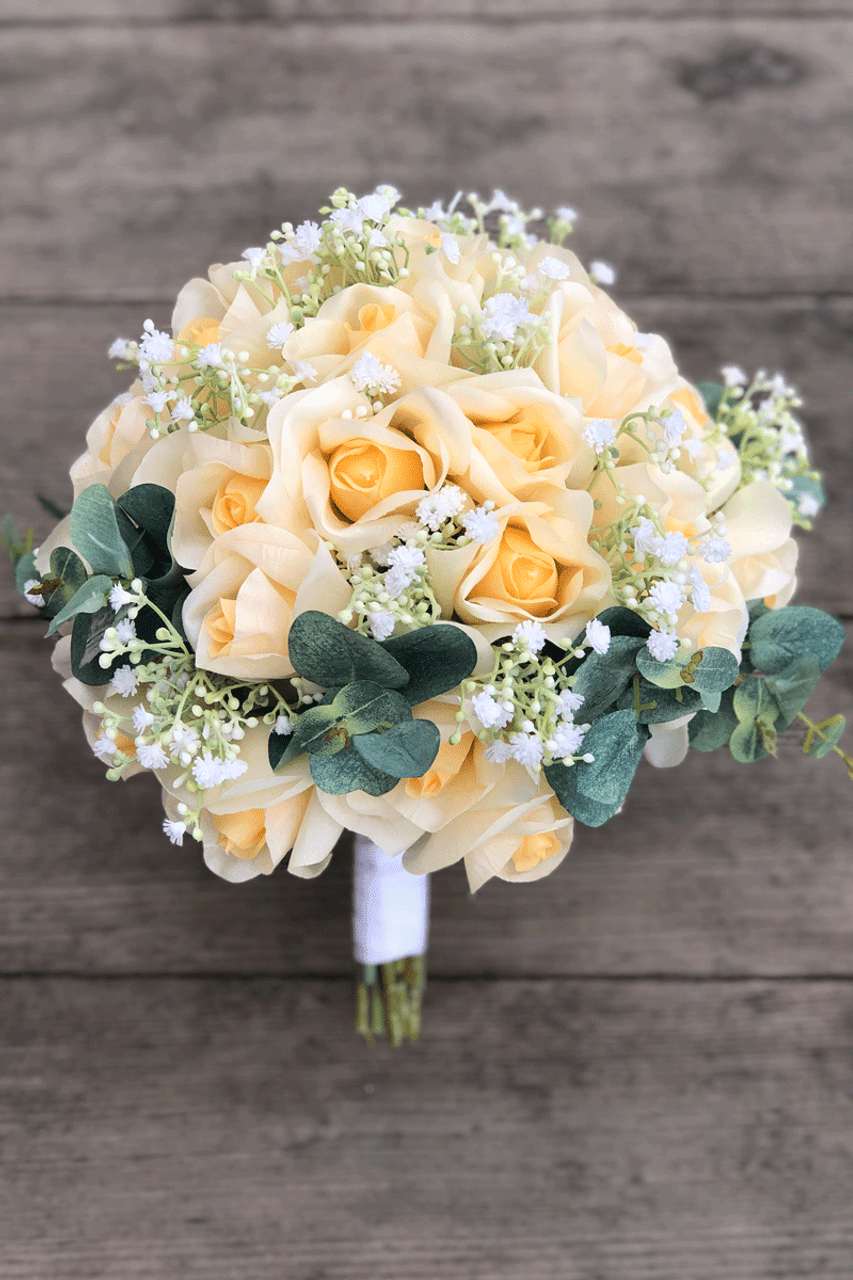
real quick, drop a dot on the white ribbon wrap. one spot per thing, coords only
(390, 910)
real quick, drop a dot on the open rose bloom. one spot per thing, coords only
(403, 529)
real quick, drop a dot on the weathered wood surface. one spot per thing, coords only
(57, 378)
(50, 12)
(703, 156)
(712, 869)
(666, 1115)
(592, 1131)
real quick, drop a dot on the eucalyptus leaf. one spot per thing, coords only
(326, 652)
(666, 675)
(91, 597)
(348, 771)
(745, 743)
(152, 508)
(404, 751)
(625, 622)
(793, 687)
(68, 568)
(592, 793)
(658, 706)
(781, 636)
(602, 677)
(833, 731)
(710, 730)
(712, 671)
(86, 636)
(25, 570)
(753, 701)
(363, 705)
(437, 658)
(94, 530)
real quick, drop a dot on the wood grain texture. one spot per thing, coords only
(52, 12)
(703, 157)
(48, 403)
(592, 1131)
(713, 868)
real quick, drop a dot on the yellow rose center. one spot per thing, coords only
(362, 473)
(525, 437)
(235, 500)
(523, 574)
(243, 834)
(372, 317)
(535, 849)
(201, 331)
(220, 624)
(627, 353)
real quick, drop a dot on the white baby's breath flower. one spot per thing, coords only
(566, 214)
(599, 434)
(382, 623)
(568, 703)
(122, 349)
(666, 597)
(278, 334)
(700, 594)
(104, 748)
(175, 830)
(125, 681)
(377, 240)
(566, 741)
(119, 597)
(182, 410)
(598, 636)
(715, 550)
(491, 713)
(29, 594)
(498, 752)
(125, 631)
(503, 314)
(368, 374)
(156, 347)
(142, 719)
(348, 220)
(808, 505)
(254, 257)
(733, 375)
(671, 547)
(210, 357)
(305, 371)
(602, 273)
(527, 749)
(554, 269)
(531, 634)
(674, 427)
(481, 525)
(436, 508)
(159, 399)
(662, 645)
(151, 755)
(692, 446)
(283, 726)
(307, 239)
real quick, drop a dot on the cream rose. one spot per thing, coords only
(516, 831)
(764, 555)
(540, 567)
(252, 582)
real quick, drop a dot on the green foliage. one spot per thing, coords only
(625, 622)
(806, 486)
(437, 659)
(348, 771)
(792, 688)
(95, 532)
(652, 705)
(89, 598)
(326, 652)
(824, 737)
(711, 671)
(406, 751)
(712, 393)
(603, 677)
(592, 793)
(710, 730)
(781, 636)
(86, 636)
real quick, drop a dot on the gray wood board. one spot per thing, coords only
(50, 12)
(702, 156)
(592, 1131)
(57, 378)
(713, 868)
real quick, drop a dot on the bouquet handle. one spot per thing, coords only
(390, 921)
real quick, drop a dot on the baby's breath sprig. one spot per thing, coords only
(758, 418)
(524, 709)
(185, 715)
(504, 334)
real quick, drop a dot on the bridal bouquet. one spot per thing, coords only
(404, 529)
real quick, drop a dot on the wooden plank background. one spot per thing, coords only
(640, 1068)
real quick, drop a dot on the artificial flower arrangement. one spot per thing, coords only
(405, 530)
